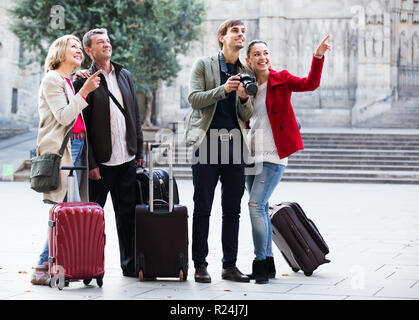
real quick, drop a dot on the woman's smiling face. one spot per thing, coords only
(73, 53)
(259, 58)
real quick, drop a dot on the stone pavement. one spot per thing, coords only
(372, 232)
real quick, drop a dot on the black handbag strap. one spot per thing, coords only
(67, 136)
(116, 102)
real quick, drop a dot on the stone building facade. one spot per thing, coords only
(370, 78)
(18, 87)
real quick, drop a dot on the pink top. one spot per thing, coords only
(79, 125)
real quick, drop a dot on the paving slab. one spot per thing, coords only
(371, 231)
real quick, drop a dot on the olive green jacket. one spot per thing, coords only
(205, 90)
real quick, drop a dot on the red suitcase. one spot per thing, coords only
(76, 242)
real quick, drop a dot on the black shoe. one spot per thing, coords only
(201, 274)
(234, 274)
(271, 267)
(260, 271)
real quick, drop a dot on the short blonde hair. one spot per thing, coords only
(56, 52)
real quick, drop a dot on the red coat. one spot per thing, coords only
(281, 84)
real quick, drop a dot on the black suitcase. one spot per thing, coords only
(161, 233)
(160, 186)
(298, 238)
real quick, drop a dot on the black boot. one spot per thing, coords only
(260, 271)
(271, 267)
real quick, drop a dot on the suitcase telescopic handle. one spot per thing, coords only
(72, 168)
(70, 180)
(169, 147)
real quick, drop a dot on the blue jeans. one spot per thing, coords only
(76, 152)
(260, 188)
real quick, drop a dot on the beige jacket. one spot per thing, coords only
(58, 109)
(205, 90)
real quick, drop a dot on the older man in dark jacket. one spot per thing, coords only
(115, 140)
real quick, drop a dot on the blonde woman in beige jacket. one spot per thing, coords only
(59, 108)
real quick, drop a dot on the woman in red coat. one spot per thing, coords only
(274, 135)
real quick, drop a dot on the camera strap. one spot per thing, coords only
(223, 65)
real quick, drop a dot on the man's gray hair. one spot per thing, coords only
(87, 38)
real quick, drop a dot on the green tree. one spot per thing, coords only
(146, 36)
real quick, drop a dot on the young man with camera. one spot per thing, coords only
(221, 106)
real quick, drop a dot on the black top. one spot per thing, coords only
(225, 116)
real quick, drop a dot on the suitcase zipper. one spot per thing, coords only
(302, 242)
(312, 228)
(300, 239)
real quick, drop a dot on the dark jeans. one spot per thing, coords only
(120, 181)
(205, 179)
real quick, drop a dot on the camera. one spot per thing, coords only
(249, 83)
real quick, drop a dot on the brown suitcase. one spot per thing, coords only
(298, 238)
(161, 233)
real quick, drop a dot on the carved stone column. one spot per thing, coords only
(374, 80)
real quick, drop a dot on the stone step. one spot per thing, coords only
(333, 179)
(362, 145)
(354, 158)
(344, 164)
(328, 140)
(346, 180)
(10, 132)
(345, 161)
(343, 157)
(330, 172)
(332, 166)
(353, 173)
(370, 152)
(181, 151)
(367, 137)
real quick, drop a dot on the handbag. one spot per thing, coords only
(45, 169)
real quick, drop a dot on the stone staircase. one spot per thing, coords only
(404, 113)
(341, 157)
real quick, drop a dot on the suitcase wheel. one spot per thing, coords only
(87, 281)
(141, 275)
(99, 281)
(307, 274)
(59, 284)
(181, 275)
(295, 269)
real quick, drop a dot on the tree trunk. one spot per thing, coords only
(150, 110)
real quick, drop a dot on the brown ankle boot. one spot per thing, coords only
(40, 275)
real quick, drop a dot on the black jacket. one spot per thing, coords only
(97, 117)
